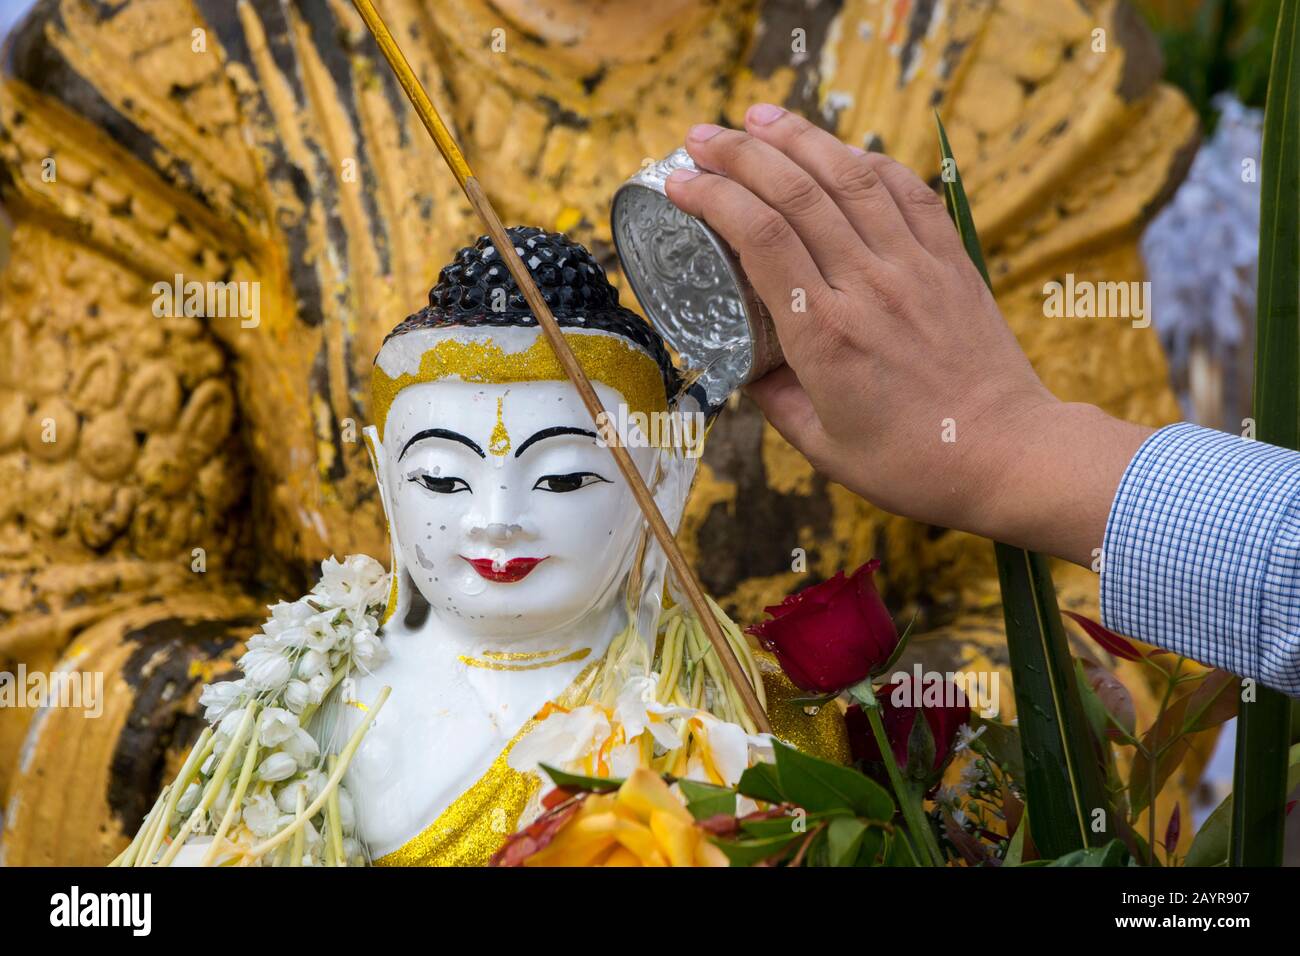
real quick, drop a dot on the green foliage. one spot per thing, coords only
(824, 814)
(1263, 726)
(1210, 848)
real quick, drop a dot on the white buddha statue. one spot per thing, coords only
(524, 620)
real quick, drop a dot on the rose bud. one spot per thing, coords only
(832, 635)
(941, 720)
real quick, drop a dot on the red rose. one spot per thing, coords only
(898, 720)
(832, 635)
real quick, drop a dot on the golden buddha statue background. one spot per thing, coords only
(163, 475)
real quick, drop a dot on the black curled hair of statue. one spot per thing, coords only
(476, 290)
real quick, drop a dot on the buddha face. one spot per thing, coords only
(508, 515)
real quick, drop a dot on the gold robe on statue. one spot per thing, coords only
(477, 822)
(202, 466)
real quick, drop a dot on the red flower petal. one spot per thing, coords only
(1108, 639)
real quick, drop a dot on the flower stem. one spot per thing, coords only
(299, 838)
(202, 747)
(908, 800)
(132, 853)
(335, 827)
(214, 785)
(345, 758)
(236, 801)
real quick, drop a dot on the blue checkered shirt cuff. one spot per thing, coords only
(1202, 553)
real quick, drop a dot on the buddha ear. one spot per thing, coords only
(399, 596)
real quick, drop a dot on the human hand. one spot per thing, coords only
(904, 383)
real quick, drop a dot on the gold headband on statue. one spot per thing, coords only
(605, 357)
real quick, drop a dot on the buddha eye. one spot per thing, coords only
(570, 482)
(441, 486)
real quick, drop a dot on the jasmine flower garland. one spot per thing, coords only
(256, 787)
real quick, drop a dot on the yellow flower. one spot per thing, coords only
(640, 824)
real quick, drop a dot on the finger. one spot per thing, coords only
(771, 253)
(923, 209)
(782, 184)
(781, 398)
(851, 179)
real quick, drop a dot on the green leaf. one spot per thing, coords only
(1263, 725)
(818, 786)
(749, 852)
(1210, 846)
(704, 800)
(801, 823)
(1016, 850)
(576, 781)
(1114, 853)
(844, 840)
(898, 851)
(1063, 780)
(761, 782)
(1092, 706)
(777, 826)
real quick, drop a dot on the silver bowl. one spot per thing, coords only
(691, 286)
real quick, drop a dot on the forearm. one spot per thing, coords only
(1053, 478)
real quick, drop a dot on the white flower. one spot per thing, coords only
(261, 641)
(297, 695)
(292, 638)
(190, 798)
(561, 739)
(262, 815)
(637, 711)
(265, 669)
(220, 698)
(367, 651)
(229, 726)
(222, 800)
(288, 614)
(572, 740)
(971, 774)
(966, 737)
(347, 811)
(309, 784)
(311, 664)
(318, 686)
(278, 766)
(359, 580)
(302, 747)
(275, 726)
(725, 750)
(323, 634)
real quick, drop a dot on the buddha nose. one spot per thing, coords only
(498, 532)
(499, 522)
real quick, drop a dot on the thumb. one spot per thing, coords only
(781, 398)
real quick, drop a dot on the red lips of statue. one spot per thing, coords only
(516, 569)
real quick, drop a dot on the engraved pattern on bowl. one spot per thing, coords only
(691, 285)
